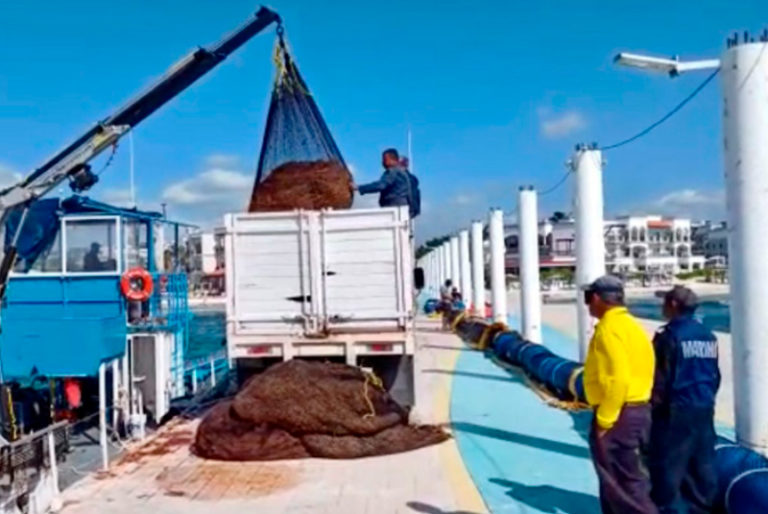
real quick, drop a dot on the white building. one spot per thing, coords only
(633, 244)
(205, 261)
(711, 241)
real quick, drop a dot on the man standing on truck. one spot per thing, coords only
(396, 187)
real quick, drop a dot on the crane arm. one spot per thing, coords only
(72, 162)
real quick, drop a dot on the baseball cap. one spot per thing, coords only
(605, 284)
(681, 295)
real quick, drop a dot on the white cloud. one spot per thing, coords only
(220, 160)
(211, 186)
(116, 196)
(464, 199)
(690, 203)
(223, 186)
(560, 125)
(8, 176)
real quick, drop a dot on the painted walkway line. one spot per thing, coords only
(523, 456)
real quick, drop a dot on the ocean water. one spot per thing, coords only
(713, 311)
(207, 332)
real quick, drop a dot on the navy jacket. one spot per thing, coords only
(687, 373)
(394, 187)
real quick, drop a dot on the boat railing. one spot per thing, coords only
(29, 465)
(205, 372)
(168, 304)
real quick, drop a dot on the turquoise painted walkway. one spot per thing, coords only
(523, 456)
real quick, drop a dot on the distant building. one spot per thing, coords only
(633, 244)
(205, 261)
(711, 240)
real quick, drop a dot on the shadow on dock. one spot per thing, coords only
(431, 509)
(527, 440)
(510, 378)
(546, 498)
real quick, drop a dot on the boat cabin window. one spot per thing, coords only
(135, 243)
(91, 245)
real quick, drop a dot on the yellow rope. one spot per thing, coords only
(482, 343)
(541, 392)
(11, 415)
(376, 382)
(458, 320)
(572, 381)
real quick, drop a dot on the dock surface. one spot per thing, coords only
(163, 476)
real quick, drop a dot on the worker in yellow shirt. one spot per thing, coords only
(618, 379)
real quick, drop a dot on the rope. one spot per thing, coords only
(12, 415)
(557, 184)
(541, 391)
(667, 116)
(376, 382)
(458, 320)
(482, 343)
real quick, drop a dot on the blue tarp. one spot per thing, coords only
(39, 231)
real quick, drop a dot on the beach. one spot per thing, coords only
(559, 312)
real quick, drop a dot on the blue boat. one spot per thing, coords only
(68, 315)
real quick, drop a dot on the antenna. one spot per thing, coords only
(131, 169)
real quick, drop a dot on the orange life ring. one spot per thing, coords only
(130, 278)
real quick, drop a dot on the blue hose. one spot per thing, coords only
(742, 473)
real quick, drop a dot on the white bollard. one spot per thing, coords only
(447, 261)
(587, 164)
(498, 281)
(466, 276)
(440, 266)
(194, 380)
(745, 124)
(455, 263)
(478, 269)
(213, 373)
(530, 289)
(103, 416)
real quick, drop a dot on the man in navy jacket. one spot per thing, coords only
(682, 445)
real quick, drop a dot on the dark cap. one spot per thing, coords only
(682, 296)
(605, 284)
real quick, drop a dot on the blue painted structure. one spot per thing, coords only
(62, 320)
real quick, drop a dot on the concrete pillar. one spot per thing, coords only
(744, 73)
(447, 260)
(455, 263)
(498, 282)
(466, 275)
(478, 269)
(530, 290)
(587, 164)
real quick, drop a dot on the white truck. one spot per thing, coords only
(328, 285)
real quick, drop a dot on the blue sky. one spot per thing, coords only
(496, 93)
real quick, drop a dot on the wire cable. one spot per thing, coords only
(557, 184)
(671, 113)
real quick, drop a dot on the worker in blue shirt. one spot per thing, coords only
(681, 457)
(395, 187)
